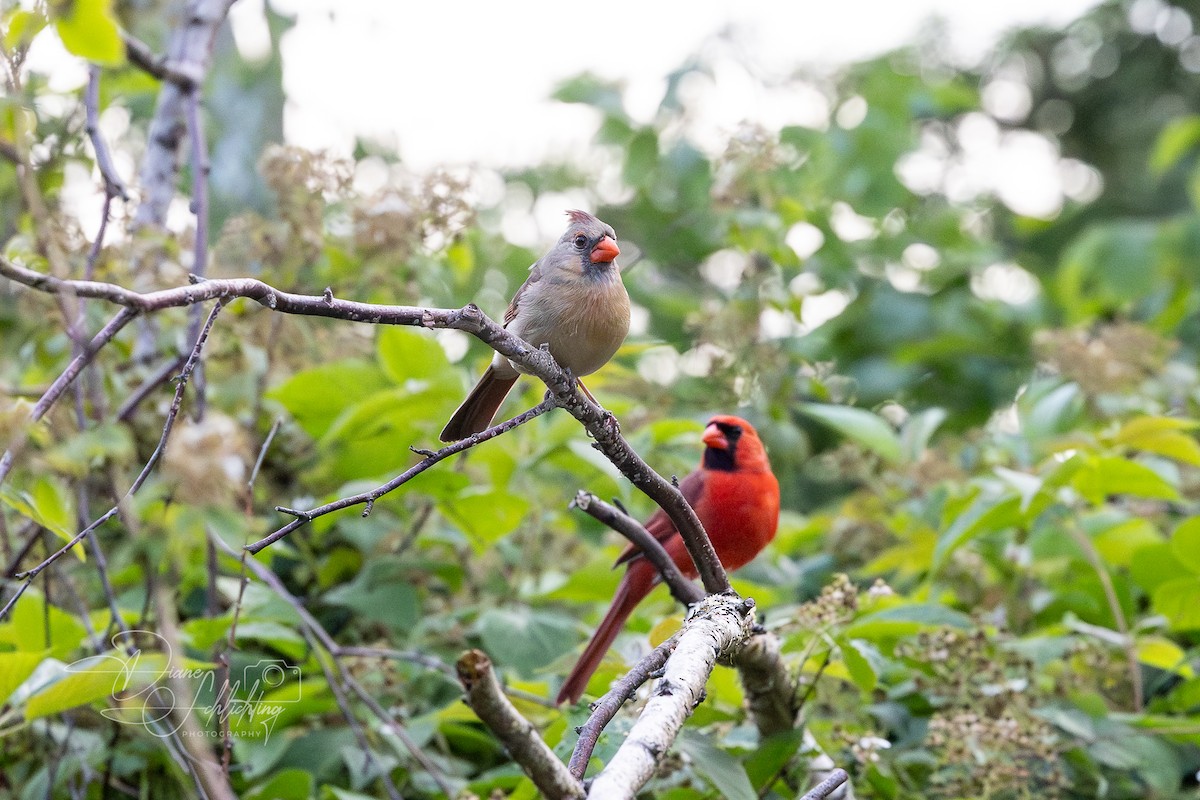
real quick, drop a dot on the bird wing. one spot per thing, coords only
(535, 275)
(659, 525)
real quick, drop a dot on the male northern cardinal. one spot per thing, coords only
(573, 301)
(736, 497)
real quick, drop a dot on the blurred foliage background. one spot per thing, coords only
(961, 307)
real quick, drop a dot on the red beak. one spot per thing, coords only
(714, 438)
(605, 251)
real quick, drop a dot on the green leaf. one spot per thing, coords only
(1101, 476)
(486, 516)
(381, 593)
(48, 503)
(1164, 654)
(97, 678)
(905, 620)
(15, 667)
(21, 27)
(36, 627)
(1161, 435)
(315, 397)
(771, 755)
(1179, 601)
(1185, 543)
(1119, 543)
(857, 665)
(525, 639)
(986, 514)
(862, 426)
(406, 354)
(287, 784)
(722, 770)
(89, 30)
(918, 430)
(1179, 137)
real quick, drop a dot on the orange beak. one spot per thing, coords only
(605, 251)
(714, 438)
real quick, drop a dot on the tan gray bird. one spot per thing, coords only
(573, 301)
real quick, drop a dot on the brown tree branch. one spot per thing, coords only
(517, 734)
(681, 588)
(598, 422)
(604, 709)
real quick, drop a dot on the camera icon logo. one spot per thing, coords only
(272, 679)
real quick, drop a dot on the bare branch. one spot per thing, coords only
(320, 636)
(827, 787)
(29, 575)
(113, 185)
(62, 383)
(517, 734)
(716, 626)
(681, 588)
(604, 709)
(188, 56)
(369, 498)
(598, 422)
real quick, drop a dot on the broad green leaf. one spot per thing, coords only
(22, 26)
(1178, 138)
(15, 667)
(287, 784)
(486, 516)
(1179, 601)
(1101, 476)
(36, 627)
(406, 354)
(772, 753)
(905, 620)
(986, 514)
(722, 770)
(857, 665)
(315, 397)
(1164, 654)
(88, 29)
(1050, 413)
(1118, 543)
(381, 593)
(918, 430)
(1162, 435)
(862, 426)
(98, 678)
(1154, 565)
(1185, 543)
(524, 639)
(48, 503)
(89, 451)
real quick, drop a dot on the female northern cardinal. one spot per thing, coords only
(736, 497)
(573, 301)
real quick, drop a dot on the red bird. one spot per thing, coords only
(736, 497)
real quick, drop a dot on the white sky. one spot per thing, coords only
(468, 82)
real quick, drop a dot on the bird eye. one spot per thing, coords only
(580, 241)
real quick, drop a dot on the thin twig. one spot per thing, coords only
(167, 370)
(113, 185)
(262, 453)
(368, 498)
(61, 384)
(1114, 606)
(331, 647)
(29, 575)
(600, 424)
(604, 709)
